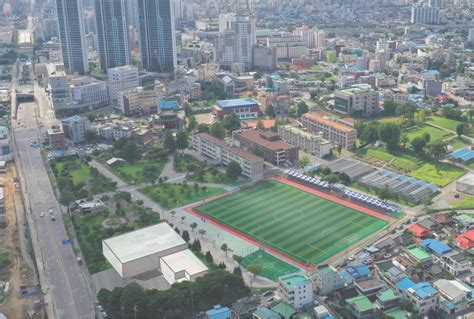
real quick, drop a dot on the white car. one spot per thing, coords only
(42, 214)
(50, 210)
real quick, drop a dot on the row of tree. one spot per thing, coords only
(182, 300)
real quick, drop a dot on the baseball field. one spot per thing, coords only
(307, 228)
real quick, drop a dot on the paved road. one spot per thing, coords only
(64, 282)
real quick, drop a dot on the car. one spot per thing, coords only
(53, 218)
(368, 261)
(387, 256)
(100, 307)
(50, 210)
(42, 214)
(104, 314)
(351, 258)
(267, 293)
(456, 196)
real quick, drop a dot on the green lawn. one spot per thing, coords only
(209, 176)
(465, 201)
(436, 134)
(458, 143)
(174, 195)
(85, 180)
(272, 267)
(440, 174)
(444, 122)
(303, 226)
(133, 173)
(4, 259)
(185, 163)
(400, 158)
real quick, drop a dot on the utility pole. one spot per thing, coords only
(135, 309)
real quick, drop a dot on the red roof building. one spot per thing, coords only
(466, 240)
(419, 231)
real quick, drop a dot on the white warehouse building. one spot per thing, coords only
(157, 247)
(466, 184)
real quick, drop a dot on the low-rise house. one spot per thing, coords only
(359, 272)
(387, 299)
(429, 224)
(419, 231)
(464, 219)
(452, 261)
(418, 256)
(466, 239)
(369, 287)
(89, 206)
(453, 290)
(361, 307)
(422, 295)
(219, 312)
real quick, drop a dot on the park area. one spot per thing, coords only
(306, 228)
(140, 171)
(170, 195)
(75, 175)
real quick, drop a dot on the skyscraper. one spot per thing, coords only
(157, 35)
(112, 33)
(71, 34)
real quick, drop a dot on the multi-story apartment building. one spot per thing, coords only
(56, 138)
(222, 153)
(75, 128)
(288, 46)
(327, 279)
(280, 103)
(424, 13)
(139, 101)
(312, 143)
(295, 290)
(121, 79)
(332, 131)
(266, 144)
(359, 100)
(58, 89)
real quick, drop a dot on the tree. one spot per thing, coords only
(91, 135)
(209, 257)
(133, 297)
(260, 126)
(231, 122)
(67, 197)
(169, 143)
(202, 232)
(385, 193)
(188, 109)
(173, 213)
(270, 111)
(225, 248)
(254, 269)
(182, 219)
(130, 152)
(390, 134)
(389, 107)
(407, 111)
(192, 123)
(460, 129)
(217, 130)
(418, 144)
(437, 149)
(233, 171)
(369, 133)
(338, 149)
(304, 160)
(237, 271)
(196, 245)
(301, 108)
(91, 117)
(203, 128)
(193, 226)
(181, 141)
(185, 236)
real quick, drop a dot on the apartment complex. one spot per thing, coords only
(218, 151)
(268, 144)
(359, 100)
(295, 290)
(332, 131)
(311, 143)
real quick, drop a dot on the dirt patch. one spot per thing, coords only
(18, 273)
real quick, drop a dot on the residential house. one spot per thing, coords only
(361, 307)
(328, 279)
(295, 290)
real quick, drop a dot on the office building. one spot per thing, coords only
(88, 94)
(425, 14)
(358, 100)
(112, 33)
(220, 153)
(265, 58)
(267, 144)
(56, 138)
(121, 79)
(327, 279)
(246, 108)
(157, 35)
(58, 89)
(75, 128)
(314, 144)
(139, 101)
(295, 290)
(332, 131)
(72, 36)
(288, 46)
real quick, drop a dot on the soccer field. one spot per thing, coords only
(308, 228)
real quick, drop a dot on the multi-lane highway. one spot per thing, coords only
(64, 282)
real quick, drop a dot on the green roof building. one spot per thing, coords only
(361, 307)
(418, 255)
(387, 299)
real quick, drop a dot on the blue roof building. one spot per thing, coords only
(435, 246)
(464, 154)
(404, 284)
(423, 296)
(245, 102)
(219, 312)
(168, 104)
(359, 271)
(245, 108)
